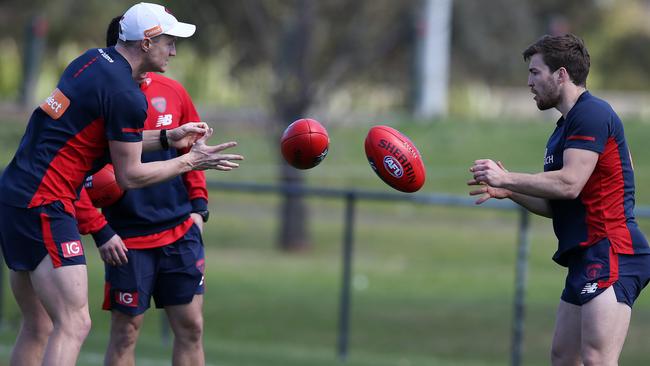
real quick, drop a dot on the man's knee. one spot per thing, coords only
(190, 330)
(561, 355)
(125, 330)
(77, 325)
(593, 356)
(37, 328)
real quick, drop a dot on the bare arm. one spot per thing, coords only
(131, 173)
(566, 183)
(536, 205)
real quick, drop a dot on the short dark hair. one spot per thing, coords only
(113, 31)
(566, 51)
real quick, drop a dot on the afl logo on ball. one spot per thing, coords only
(393, 166)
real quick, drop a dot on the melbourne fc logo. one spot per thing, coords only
(593, 270)
(159, 103)
(200, 265)
(393, 166)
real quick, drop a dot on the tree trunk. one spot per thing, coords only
(292, 99)
(294, 221)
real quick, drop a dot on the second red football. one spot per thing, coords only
(395, 159)
(304, 143)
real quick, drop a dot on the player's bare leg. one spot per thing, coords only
(187, 324)
(604, 328)
(36, 325)
(63, 292)
(565, 350)
(124, 335)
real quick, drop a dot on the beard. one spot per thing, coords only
(548, 98)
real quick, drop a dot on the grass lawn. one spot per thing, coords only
(431, 285)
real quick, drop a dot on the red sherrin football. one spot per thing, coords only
(304, 143)
(395, 159)
(102, 187)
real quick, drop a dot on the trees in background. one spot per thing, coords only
(308, 49)
(312, 48)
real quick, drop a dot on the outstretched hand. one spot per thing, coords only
(489, 172)
(184, 136)
(204, 156)
(486, 191)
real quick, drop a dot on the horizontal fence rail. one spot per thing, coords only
(421, 198)
(352, 195)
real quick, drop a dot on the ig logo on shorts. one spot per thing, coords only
(129, 299)
(72, 249)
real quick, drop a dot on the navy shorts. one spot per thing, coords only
(172, 274)
(593, 269)
(27, 235)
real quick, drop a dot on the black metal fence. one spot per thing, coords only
(351, 197)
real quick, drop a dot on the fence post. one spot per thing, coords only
(32, 57)
(521, 277)
(344, 309)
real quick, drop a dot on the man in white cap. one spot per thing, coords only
(152, 29)
(96, 109)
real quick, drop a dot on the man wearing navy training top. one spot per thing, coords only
(96, 109)
(587, 188)
(161, 227)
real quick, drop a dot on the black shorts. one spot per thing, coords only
(172, 274)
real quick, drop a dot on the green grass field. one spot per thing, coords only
(431, 285)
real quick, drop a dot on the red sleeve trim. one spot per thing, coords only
(581, 137)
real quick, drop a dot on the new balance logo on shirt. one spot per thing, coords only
(164, 120)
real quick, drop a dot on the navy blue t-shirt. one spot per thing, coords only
(96, 100)
(605, 206)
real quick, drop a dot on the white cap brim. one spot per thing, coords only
(181, 29)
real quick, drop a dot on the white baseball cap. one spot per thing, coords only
(146, 20)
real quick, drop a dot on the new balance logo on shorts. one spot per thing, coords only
(72, 249)
(589, 288)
